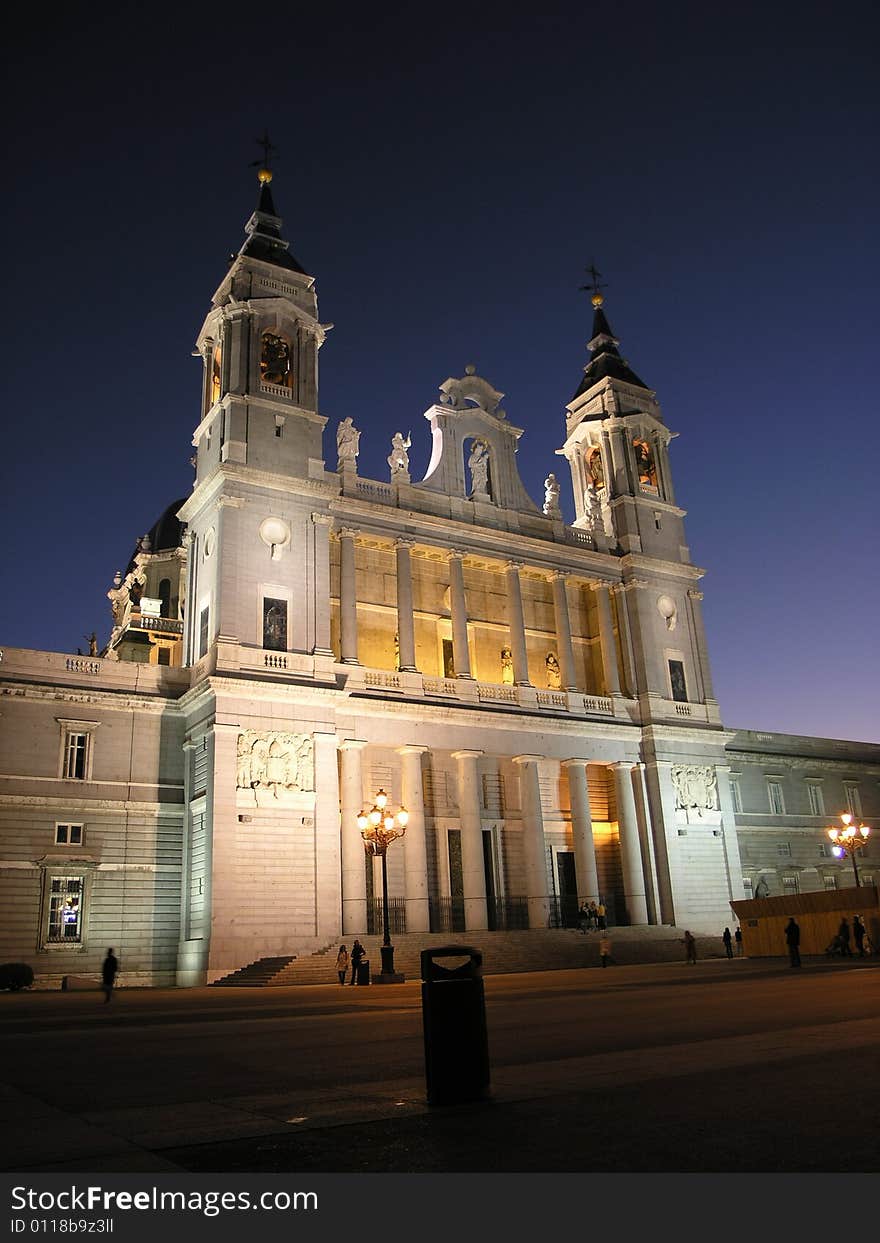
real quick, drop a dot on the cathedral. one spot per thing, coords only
(295, 646)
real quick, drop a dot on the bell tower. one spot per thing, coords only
(255, 544)
(617, 446)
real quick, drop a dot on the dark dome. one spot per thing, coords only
(165, 534)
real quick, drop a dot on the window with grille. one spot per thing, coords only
(200, 767)
(830, 882)
(790, 885)
(774, 793)
(65, 909)
(68, 834)
(853, 799)
(817, 804)
(747, 886)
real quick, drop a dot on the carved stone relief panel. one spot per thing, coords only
(696, 787)
(278, 762)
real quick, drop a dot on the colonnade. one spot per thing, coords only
(459, 615)
(470, 823)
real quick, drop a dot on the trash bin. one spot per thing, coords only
(454, 1022)
(363, 971)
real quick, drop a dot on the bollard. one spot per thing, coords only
(454, 1022)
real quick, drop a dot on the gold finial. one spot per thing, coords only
(264, 176)
(597, 300)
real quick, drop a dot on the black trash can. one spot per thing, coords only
(454, 1021)
(363, 971)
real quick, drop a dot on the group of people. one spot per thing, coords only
(729, 941)
(355, 960)
(858, 933)
(592, 917)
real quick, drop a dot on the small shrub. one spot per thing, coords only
(16, 975)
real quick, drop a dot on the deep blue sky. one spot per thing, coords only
(446, 173)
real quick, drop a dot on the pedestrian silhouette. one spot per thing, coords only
(843, 935)
(793, 941)
(357, 953)
(738, 937)
(108, 974)
(859, 931)
(342, 964)
(690, 946)
(605, 950)
(728, 942)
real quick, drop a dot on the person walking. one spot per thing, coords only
(584, 920)
(793, 941)
(600, 916)
(859, 934)
(357, 953)
(342, 964)
(605, 951)
(738, 937)
(728, 942)
(109, 970)
(690, 946)
(843, 935)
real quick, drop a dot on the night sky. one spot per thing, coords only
(447, 172)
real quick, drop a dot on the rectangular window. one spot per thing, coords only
(790, 886)
(735, 795)
(747, 886)
(203, 632)
(853, 800)
(784, 849)
(68, 834)
(75, 748)
(677, 681)
(817, 804)
(65, 910)
(274, 624)
(830, 882)
(448, 663)
(774, 793)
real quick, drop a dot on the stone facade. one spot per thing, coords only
(537, 695)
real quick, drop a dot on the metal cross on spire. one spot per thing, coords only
(595, 286)
(269, 150)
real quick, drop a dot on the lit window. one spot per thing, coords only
(777, 803)
(817, 805)
(68, 834)
(75, 763)
(65, 909)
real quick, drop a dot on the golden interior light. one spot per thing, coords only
(264, 176)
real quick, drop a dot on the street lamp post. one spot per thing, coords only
(849, 841)
(379, 828)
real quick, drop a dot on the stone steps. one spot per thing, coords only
(503, 953)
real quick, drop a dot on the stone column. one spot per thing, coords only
(414, 843)
(328, 889)
(630, 847)
(348, 639)
(563, 632)
(473, 871)
(458, 605)
(517, 624)
(533, 840)
(643, 812)
(354, 880)
(582, 831)
(606, 640)
(320, 596)
(626, 647)
(405, 628)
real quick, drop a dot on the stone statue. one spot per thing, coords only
(93, 643)
(593, 508)
(479, 468)
(507, 666)
(347, 441)
(595, 468)
(551, 496)
(398, 458)
(554, 675)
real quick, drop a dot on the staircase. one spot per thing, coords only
(556, 949)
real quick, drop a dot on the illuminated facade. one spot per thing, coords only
(294, 636)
